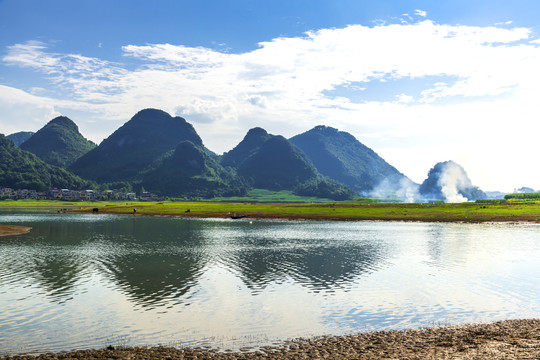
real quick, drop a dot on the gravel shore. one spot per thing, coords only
(511, 339)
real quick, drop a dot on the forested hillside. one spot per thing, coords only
(58, 143)
(20, 169)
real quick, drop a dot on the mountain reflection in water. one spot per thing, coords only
(154, 260)
(81, 280)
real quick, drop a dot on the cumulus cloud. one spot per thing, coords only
(284, 84)
(20, 108)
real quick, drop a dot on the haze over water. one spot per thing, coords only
(86, 281)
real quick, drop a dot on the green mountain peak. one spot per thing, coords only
(135, 147)
(251, 143)
(58, 143)
(341, 157)
(272, 162)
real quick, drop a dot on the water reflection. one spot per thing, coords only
(153, 279)
(319, 269)
(153, 261)
(264, 253)
(57, 276)
(149, 261)
(47, 259)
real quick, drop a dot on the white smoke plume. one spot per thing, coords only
(446, 181)
(451, 180)
(403, 190)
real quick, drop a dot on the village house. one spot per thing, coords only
(6, 192)
(74, 195)
(148, 196)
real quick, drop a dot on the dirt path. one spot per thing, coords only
(512, 339)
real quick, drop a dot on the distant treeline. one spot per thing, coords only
(523, 196)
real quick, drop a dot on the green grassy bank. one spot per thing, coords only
(485, 211)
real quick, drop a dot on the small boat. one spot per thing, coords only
(238, 216)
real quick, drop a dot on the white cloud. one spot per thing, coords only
(421, 13)
(89, 78)
(22, 111)
(402, 98)
(28, 55)
(281, 86)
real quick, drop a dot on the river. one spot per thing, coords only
(80, 281)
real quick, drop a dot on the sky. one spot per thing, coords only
(419, 82)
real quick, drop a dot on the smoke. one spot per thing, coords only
(451, 180)
(403, 190)
(446, 181)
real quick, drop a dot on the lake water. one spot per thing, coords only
(88, 281)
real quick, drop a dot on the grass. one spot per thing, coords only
(45, 204)
(263, 195)
(496, 211)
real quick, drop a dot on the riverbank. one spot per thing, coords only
(511, 339)
(470, 212)
(526, 212)
(6, 230)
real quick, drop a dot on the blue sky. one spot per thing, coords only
(417, 81)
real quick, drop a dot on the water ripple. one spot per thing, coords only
(93, 280)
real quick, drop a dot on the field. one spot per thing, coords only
(262, 195)
(482, 211)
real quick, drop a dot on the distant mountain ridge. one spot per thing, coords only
(19, 137)
(58, 143)
(164, 154)
(272, 162)
(341, 157)
(135, 146)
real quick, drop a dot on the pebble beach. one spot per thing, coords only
(511, 339)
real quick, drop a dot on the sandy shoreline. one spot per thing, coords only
(6, 230)
(511, 339)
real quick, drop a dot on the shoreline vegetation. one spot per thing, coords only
(470, 212)
(510, 339)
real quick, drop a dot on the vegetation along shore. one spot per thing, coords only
(473, 212)
(511, 339)
(346, 211)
